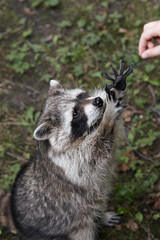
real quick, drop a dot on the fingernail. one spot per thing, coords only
(144, 55)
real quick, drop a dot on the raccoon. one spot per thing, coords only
(62, 192)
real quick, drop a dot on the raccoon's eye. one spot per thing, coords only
(76, 113)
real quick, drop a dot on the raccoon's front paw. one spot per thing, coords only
(119, 82)
(110, 219)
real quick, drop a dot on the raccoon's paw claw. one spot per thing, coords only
(110, 219)
(119, 80)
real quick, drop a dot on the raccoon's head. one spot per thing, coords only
(69, 116)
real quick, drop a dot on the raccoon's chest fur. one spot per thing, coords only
(90, 165)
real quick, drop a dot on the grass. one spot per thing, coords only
(75, 42)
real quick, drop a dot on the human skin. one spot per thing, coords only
(148, 48)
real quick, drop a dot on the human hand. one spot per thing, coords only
(147, 48)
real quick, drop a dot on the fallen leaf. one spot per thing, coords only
(49, 38)
(28, 11)
(157, 202)
(118, 227)
(131, 225)
(128, 115)
(131, 155)
(29, 139)
(154, 199)
(157, 186)
(157, 155)
(124, 167)
(70, 76)
(122, 30)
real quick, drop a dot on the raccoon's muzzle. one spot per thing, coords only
(98, 102)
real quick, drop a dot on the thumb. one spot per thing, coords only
(153, 52)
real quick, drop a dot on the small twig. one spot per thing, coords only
(19, 158)
(4, 91)
(153, 95)
(19, 84)
(135, 111)
(143, 156)
(155, 111)
(136, 152)
(10, 123)
(94, 56)
(150, 235)
(30, 88)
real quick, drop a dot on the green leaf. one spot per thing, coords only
(140, 101)
(36, 47)
(2, 151)
(47, 77)
(27, 155)
(65, 23)
(122, 210)
(27, 33)
(139, 173)
(153, 179)
(156, 216)
(36, 3)
(29, 115)
(51, 3)
(15, 168)
(101, 17)
(54, 63)
(155, 82)
(81, 23)
(78, 70)
(22, 21)
(149, 68)
(91, 38)
(56, 38)
(124, 193)
(104, 4)
(139, 217)
(97, 74)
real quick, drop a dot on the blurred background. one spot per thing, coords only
(75, 42)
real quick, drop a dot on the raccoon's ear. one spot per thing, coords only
(55, 84)
(43, 131)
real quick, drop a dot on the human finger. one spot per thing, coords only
(157, 40)
(150, 44)
(153, 52)
(150, 25)
(147, 36)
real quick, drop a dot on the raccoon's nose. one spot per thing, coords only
(98, 102)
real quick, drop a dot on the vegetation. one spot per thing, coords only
(75, 42)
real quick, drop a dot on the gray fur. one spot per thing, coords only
(62, 193)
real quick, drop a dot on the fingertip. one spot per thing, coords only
(144, 55)
(153, 52)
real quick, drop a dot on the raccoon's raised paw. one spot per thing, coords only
(119, 80)
(110, 219)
